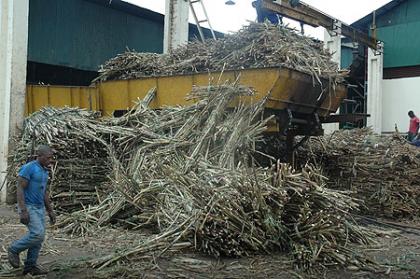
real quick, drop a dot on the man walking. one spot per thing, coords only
(414, 126)
(33, 199)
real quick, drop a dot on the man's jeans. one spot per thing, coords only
(33, 240)
(410, 136)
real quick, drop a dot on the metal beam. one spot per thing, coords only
(289, 12)
(313, 17)
(342, 118)
(359, 36)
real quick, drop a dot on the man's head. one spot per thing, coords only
(44, 155)
(411, 114)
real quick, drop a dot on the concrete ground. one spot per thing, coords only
(400, 251)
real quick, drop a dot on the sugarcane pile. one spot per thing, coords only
(81, 162)
(255, 46)
(189, 174)
(383, 171)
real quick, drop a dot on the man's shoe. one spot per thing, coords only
(34, 270)
(13, 258)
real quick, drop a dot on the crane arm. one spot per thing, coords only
(297, 10)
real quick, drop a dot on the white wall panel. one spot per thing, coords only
(398, 97)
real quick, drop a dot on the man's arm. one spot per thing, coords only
(22, 183)
(49, 208)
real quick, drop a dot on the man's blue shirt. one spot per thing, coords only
(37, 177)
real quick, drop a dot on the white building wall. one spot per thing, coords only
(176, 24)
(375, 90)
(13, 59)
(332, 42)
(398, 97)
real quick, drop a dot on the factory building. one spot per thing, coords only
(396, 25)
(69, 39)
(63, 43)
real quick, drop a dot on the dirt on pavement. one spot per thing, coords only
(64, 256)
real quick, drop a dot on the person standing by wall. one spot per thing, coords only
(413, 129)
(33, 199)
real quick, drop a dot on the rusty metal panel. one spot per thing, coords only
(287, 89)
(38, 96)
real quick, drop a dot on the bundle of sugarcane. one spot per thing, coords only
(255, 46)
(80, 155)
(149, 137)
(383, 171)
(188, 172)
(56, 127)
(75, 181)
(240, 212)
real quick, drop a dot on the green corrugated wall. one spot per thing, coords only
(82, 34)
(399, 29)
(346, 57)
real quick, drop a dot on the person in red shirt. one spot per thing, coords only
(414, 126)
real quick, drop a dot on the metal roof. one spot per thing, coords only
(365, 21)
(130, 9)
(138, 11)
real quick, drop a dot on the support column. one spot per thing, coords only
(332, 42)
(176, 24)
(13, 60)
(374, 88)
